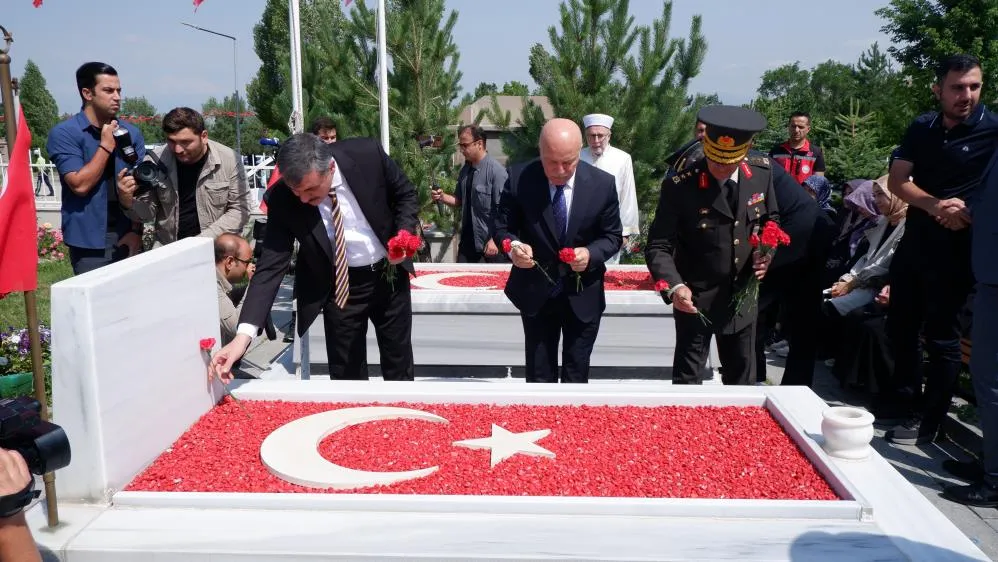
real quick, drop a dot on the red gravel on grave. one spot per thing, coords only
(612, 281)
(601, 451)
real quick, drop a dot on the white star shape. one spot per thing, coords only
(505, 444)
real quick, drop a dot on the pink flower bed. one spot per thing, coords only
(600, 451)
(613, 281)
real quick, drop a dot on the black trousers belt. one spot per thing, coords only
(376, 266)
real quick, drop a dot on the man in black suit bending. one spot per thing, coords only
(547, 205)
(342, 202)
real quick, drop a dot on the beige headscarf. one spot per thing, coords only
(898, 208)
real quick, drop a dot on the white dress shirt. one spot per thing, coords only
(618, 163)
(362, 244)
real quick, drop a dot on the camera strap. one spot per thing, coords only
(13, 504)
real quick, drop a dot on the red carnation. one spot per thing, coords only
(396, 252)
(207, 344)
(411, 241)
(661, 285)
(567, 255)
(754, 240)
(507, 246)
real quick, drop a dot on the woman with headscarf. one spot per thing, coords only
(860, 215)
(858, 302)
(866, 277)
(820, 190)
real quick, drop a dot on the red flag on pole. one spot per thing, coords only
(197, 3)
(274, 177)
(18, 222)
(347, 2)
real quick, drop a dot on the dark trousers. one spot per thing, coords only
(984, 372)
(795, 288)
(928, 292)
(471, 255)
(736, 351)
(89, 259)
(371, 298)
(541, 334)
(38, 183)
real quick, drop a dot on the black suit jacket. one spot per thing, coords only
(387, 199)
(525, 214)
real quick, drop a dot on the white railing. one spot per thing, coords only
(257, 177)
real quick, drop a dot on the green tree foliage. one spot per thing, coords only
(40, 108)
(142, 114)
(855, 149)
(925, 31)
(603, 62)
(339, 75)
(220, 119)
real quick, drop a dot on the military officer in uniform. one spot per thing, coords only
(699, 244)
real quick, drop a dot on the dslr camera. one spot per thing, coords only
(148, 175)
(43, 445)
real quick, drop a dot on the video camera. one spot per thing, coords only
(148, 175)
(43, 445)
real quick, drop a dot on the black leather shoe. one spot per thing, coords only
(971, 471)
(978, 495)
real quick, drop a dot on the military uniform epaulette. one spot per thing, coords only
(758, 160)
(685, 175)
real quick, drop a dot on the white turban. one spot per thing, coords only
(599, 119)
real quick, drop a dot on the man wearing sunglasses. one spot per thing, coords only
(233, 263)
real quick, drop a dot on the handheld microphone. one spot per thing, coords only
(123, 144)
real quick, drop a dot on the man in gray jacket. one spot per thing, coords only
(205, 193)
(479, 186)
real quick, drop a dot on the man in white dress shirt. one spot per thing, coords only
(618, 164)
(342, 202)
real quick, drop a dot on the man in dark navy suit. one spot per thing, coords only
(547, 205)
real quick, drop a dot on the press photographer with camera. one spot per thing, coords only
(96, 192)
(193, 186)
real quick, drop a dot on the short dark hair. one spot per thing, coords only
(86, 75)
(180, 118)
(322, 124)
(477, 133)
(300, 155)
(797, 114)
(956, 63)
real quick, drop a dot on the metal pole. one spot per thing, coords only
(383, 74)
(235, 79)
(30, 302)
(297, 121)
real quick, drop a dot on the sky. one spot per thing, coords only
(172, 65)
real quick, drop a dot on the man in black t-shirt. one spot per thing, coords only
(205, 193)
(937, 171)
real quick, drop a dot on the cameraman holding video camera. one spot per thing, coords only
(96, 192)
(192, 187)
(16, 543)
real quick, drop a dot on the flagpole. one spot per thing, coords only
(30, 302)
(383, 74)
(297, 121)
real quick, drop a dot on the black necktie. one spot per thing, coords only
(731, 194)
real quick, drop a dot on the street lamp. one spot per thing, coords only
(235, 78)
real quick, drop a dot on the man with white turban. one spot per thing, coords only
(617, 163)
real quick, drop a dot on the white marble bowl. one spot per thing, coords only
(847, 432)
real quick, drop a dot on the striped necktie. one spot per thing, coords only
(340, 270)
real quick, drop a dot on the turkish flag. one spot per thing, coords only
(197, 4)
(18, 222)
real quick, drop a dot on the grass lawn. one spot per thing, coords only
(12, 308)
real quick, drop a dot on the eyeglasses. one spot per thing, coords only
(247, 262)
(466, 144)
(597, 136)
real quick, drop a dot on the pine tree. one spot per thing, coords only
(602, 62)
(40, 108)
(854, 149)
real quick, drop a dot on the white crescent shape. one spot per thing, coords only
(432, 280)
(291, 452)
(3, 186)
